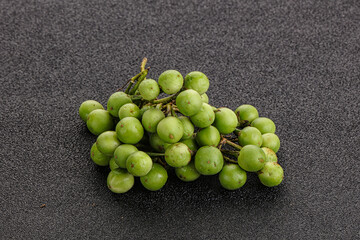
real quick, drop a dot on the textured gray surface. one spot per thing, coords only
(298, 62)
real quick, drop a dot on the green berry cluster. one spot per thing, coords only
(142, 135)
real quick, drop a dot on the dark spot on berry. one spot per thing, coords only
(131, 111)
(132, 165)
(121, 125)
(178, 75)
(115, 156)
(188, 102)
(92, 153)
(151, 88)
(171, 136)
(261, 160)
(208, 162)
(146, 180)
(111, 108)
(210, 119)
(239, 182)
(149, 126)
(214, 164)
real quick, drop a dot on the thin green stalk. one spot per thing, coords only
(132, 81)
(234, 145)
(230, 152)
(140, 79)
(151, 154)
(229, 159)
(166, 99)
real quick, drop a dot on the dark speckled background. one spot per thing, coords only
(298, 62)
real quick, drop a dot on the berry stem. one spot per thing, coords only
(140, 79)
(230, 152)
(229, 159)
(151, 154)
(237, 131)
(132, 81)
(166, 99)
(143, 63)
(234, 145)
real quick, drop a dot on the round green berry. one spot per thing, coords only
(129, 130)
(187, 173)
(209, 136)
(99, 121)
(170, 129)
(120, 181)
(122, 152)
(205, 117)
(157, 143)
(155, 179)
(112, 164)
(115, 102)
(225, 120)
(107, 142)
(272, 141)
(205, 98)
(87, 107)
(178, 155)
(139, 164)
(149, 89)
(171, 81)
(189, 102)
(208, 160)
(129, 110)
(232, 177)
(191, 143)
(151, 119)
(251, 158)
(188, 127)
(271, 174)
(250, 136)
(197, 81)
(98, 157)
(247, 113)
(265, 125)
(270, 155)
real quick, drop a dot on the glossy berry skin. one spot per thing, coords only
(139, 164)
(232, 177)
(170, 129)
(120, 181)
(205, 117)
(192, 145)
(171, 81)
(99, 121)
(189, 102)
(112, 164)
(265, 125)
(247, 112)
(122, 152)
(98, 157)
(250, 136)
(151, 119)
(270, 155)
(205, 98)
(157, 143)
(209, 136)
(155, 179)
(177, 155)
(271, 174)
(149, 89)
(272, 141)
(129, 110)
(198, 81)
(251, 158)
(208, 160)
(129, 130)
(115, 102)
(107, 142)
(87, 107)
(188, 127)
(187, 173)
(225, 120)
